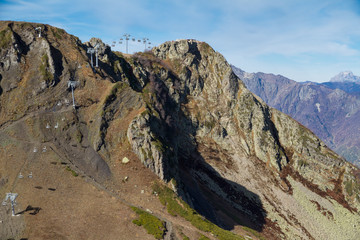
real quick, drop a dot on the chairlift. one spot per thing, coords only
(30, 175)
(21, 176)
(113, 45)
(56, 126)
(44, 149)
(120, 42)
(47, 125)
(133, 39)
(121, 39)
(139, 40)
(35, 149)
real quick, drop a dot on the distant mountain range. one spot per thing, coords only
(346, 76)
(330, 109)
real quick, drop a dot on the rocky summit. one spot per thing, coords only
(346, 76)
(165, 144)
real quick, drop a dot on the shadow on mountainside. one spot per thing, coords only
(223, 202)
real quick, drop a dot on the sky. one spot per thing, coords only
(304, 40)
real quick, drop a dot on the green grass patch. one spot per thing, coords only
(44, 69)
(152, 224)
(79, 136)
(114, 90)
(177, 207)
(158, 144)
(186, 237)
(58, 32)
(75, 174)
(202, 237)
(303, 163)
(5, 37)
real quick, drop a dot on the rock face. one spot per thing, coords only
(329, 109)
(188, 118)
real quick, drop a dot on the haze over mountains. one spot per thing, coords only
(165, 144)
(330, 109)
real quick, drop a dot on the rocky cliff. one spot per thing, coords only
(329, 109)
(181, 112)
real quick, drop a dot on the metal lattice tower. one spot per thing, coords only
(96, 55)
(12, 197)
(127, 38)
(91, 51)
(72, 85)
(145, 41)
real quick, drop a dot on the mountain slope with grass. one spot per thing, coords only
(167, 144)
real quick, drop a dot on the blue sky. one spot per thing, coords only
(304, 40)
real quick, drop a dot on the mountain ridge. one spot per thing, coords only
(329, 109)
(179, 111)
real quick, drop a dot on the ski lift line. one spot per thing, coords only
(19, 175)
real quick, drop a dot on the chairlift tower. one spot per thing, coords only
(145, 40)
(127, 38)
(72, 85)
(91, 51)
(12, 197)
(96, 55)
(38, 29)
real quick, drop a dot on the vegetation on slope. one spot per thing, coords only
(177, 207)
(44, 69)
(5, 37)
(152, 224)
